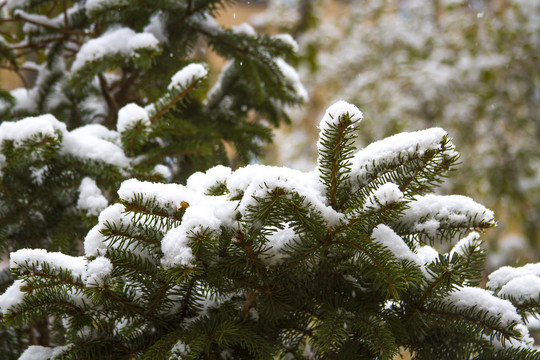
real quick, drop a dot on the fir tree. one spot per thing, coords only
(119, 93)
(468, 66)
(266, 262)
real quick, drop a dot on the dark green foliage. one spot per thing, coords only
(258, 264)
(186, 133)
(116, 112)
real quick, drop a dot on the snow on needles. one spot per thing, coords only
(91, 198)
(96, 271)
(12, 296)
(386, 194)
(187, 75)
(335, 113)
(202, 182)
(203, 214)
(38, 352)
(93, 142)
(287, 39)
(25, 129)
(130, 116)
(257, 181)
(427, 214)
(389, 150)
(483, 300)
(90, 142)
(507, 275)
(95, 243)
(292, 77)
(393, 242)
(277, 240)
(524, 288)
(120, 41)
(244, 28)
(40, 259)
(471, 240)
(55, 260)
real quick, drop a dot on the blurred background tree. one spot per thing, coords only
(468, 66)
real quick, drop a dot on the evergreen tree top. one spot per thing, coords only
(268, 262)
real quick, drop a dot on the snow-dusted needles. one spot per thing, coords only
(355, 236)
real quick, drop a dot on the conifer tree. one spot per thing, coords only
(120, 93)
(468, 66)
(267, 262)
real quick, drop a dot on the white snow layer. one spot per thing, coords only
(25, 99)
(430, 212)
(203, 213)
(55, 260)
(94, 242)
(25, 129)
(504, 275)
(427, 254)
(121, 41)
(255, 181)
(468, 297)
(163, 170)
(386, 194)
(91, 198)
(87, 142)
(34, 19)
(471, 240)
(287, 39)
(209, 213)
(524, 288)
(12, 296)
(245, 29)
(96, 271)
(37, 352)
(157, 28)
(277, 240)
(393, 242)
(93, 142)
(39, 258)
(335, 112)
(130, 116)
(92, 5)
(180, 348)
(187, 75)
(292, 77)
(389, 150)
(201, 182)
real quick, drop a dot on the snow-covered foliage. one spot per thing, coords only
(117, 42)
(113, 90)
(108, 104)
(468, 66)
(238, 260)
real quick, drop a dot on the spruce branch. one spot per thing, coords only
(494, 325)
(174, 100)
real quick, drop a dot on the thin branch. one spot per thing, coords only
(173, 101)
(20, 17)
(374, 261)
(109, 99)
